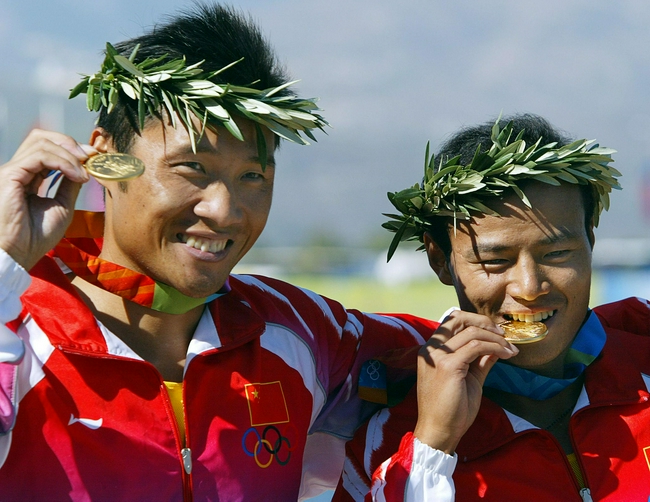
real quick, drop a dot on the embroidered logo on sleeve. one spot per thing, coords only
(372, 382)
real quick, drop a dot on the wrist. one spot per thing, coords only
(12, 253)
(444, 441)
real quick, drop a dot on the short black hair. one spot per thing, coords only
(215, 34)
(465, 143)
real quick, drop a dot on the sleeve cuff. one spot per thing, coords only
(14, 281)
(430, 473)
(432, 460)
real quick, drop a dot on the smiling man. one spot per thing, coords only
(133, 366)
(222, 183)
(506, 217)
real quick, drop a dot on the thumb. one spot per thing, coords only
(483, 365)
(67, 193)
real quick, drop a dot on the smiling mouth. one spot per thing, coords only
(205, 245)
(536, 317)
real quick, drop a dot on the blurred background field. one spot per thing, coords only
(426, 297)
(360, 278)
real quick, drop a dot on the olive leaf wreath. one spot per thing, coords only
(458, 191)
(189, 92)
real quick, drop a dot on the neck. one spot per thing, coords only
(550, 414)
(551, 369)
(161, 339)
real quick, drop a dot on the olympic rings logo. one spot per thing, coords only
(372, 369)
(271, 441)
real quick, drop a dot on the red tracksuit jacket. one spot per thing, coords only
(504, 458)
(269, 398)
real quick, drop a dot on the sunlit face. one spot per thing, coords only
(527, 264)
(190, 217)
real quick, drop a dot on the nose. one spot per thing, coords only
(527, 280)
(220, 204)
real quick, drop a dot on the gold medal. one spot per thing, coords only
(524, 332)
(114, 166)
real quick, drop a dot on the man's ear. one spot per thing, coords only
(100, 139)
(437, 260)
(591, 236)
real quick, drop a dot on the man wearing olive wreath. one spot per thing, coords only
(506, 216)
(133, 366)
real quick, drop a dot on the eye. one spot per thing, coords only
(494, 265)
(562, 253)
(495, 262)
(188, 167)
(194, 166)
(253, 175)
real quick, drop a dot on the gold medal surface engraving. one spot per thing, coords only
(524, 332)
(114, 166)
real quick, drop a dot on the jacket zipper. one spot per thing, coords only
(184, 452)
(585, 492)
(186, 456)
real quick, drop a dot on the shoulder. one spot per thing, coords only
(261, 293)
(266, 286)
(275, 301)
(631, 315)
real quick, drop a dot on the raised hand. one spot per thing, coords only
(31, 225)
(452, 367)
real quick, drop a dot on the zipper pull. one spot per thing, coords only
(586, 495)
(186, 454)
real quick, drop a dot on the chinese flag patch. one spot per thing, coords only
(266, 403)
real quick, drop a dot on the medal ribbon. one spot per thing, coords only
(79, 251)
(586, 346)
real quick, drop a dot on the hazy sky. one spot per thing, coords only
(390, 75)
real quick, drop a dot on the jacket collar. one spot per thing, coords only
(54, 304)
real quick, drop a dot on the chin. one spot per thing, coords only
(542, 364)
(201, 288)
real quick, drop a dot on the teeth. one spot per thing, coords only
(539, 316)
(205, 245)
